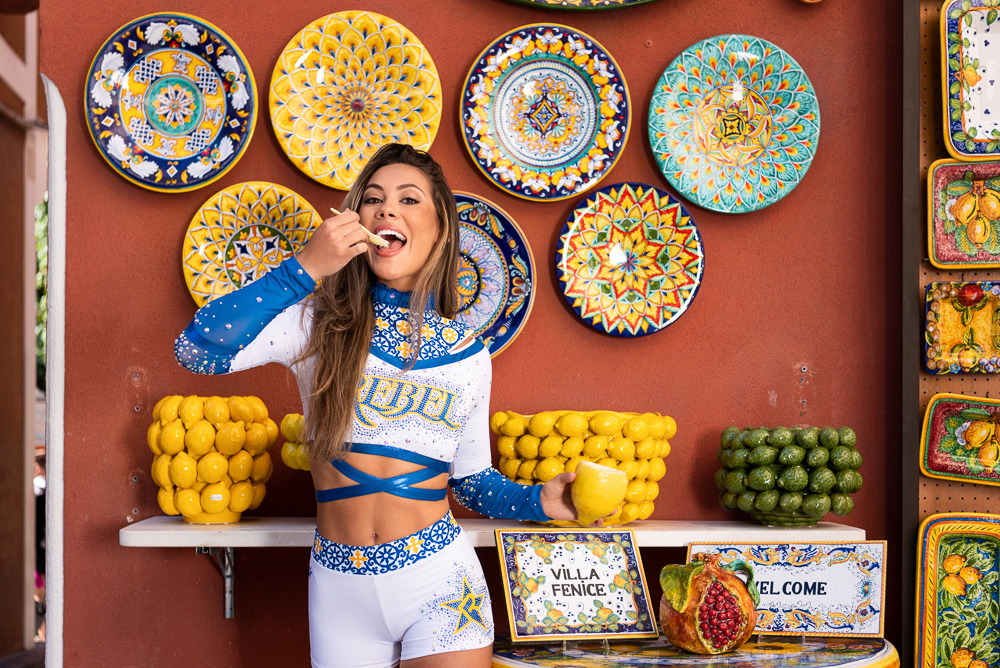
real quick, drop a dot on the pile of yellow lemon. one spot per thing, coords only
(211, 459)
(536, 448)
(295, 451)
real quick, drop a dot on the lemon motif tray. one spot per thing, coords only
(962, 327)
(959, 440)
(963, 214)
(347, 84)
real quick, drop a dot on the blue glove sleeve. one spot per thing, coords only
(228, 324)
(489, 493)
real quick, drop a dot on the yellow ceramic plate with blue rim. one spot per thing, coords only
(241, 233)
(347, 84)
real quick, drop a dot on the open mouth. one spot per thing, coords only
(395, 238)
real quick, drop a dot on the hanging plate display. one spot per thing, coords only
(630, 259)
(958, 595)
(240, 234)
(963, 214)
(960, 441)
(971, 96)
(734, 123)
(545, 112)
(170, 102)
(496, 276)
(347, 84)
(584, 4)
(962, 327)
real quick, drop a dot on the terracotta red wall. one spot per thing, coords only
(812, 281)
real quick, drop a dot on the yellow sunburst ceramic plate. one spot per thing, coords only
(240, 234)
(347, 84)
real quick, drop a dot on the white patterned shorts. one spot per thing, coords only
(372, 606)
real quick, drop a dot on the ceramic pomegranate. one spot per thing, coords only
(706, 609)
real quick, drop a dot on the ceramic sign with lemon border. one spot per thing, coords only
(574, 584)
(959, 440)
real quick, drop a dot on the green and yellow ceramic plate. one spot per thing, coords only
(960, 440)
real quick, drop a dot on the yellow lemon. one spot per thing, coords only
(216, 411)
(256, 441)
(215, 498)
(631, 468)
(528, 482)
(156, 409)
(187, 502)
(161, 470)
(290, 427)
(227, 481)
(230, 438)
(212, 467)
(652, 490)
(527, 446)
(645, 448)
(629, 512)
(198, 485)
(605, 424)
(301, 457)
(644, 468)
(240, 496)
(287, 456)
(571, 447)
(168, 409)
(165, 497)
(183, 470)
(571, 424)
(191, 410)
(239, 409)
(953, 563)
(510, 467)
(496, 422)
(272, 431)
(656, 425)
(258, 408)
(657, 469)
(514, 426)
(541, 424)
(258, 494)
(610, 462)
(616, 517)
(670, 427)
(506, 446)
(645, 510)
(572, 463)
(550, 446)
(621, 449)
(548, 469)
(153, 438)
(636, 492)
(527, 468)
(636, 428)
(597, 491)
(172, 437)
(595, 446)
(200, 438)
(664, 449)
(261, 467)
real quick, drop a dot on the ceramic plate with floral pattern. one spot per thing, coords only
(960, 440)
(545, 112)
(241, 233)
(496, 275)
(734, 123)
(958, 595)
(630, 259)
(170, 102)
(962, 327)
(963, 214)
(347, 84)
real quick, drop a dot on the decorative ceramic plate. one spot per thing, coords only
(496, 278)
(963, 214)
(969, 58)
(241, 233)
(170, 102)
(545, 112)
(960, 440)
(630, 259)
(584, 4)
(756, 653)
(347, 84)
(962, 328)
(734, 123)
(958, 597)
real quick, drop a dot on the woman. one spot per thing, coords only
(393, 417)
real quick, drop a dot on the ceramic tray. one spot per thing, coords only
(962, 327)
(496, 277)
(958, 597)
(545, 112)
(734, 123)
(170, 102)
(346, 84)
(584, 4)
(960, 441)
(969, 55)
(240, 234)
(630, 259)
(963, 214)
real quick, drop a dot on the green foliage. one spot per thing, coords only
(41, 279)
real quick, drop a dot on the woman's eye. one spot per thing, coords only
(371, 199)
(410, 200)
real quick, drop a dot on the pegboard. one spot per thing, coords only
(942, 496)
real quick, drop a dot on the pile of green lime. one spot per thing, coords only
(788, 477)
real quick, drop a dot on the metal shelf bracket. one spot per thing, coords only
(224, 556)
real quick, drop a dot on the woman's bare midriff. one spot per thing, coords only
(374, 518)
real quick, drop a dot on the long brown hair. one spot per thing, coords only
(343, 318)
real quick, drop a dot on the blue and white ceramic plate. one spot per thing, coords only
(496, 277)
(545, 112)
(170, 102)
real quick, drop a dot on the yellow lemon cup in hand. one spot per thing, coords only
(597, 491)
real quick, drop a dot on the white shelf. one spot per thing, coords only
(164, 531)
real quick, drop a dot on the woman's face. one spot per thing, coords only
(397, 206)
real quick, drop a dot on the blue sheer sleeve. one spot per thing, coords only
(230, 324)
(489, 493)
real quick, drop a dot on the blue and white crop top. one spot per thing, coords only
(435, 414)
